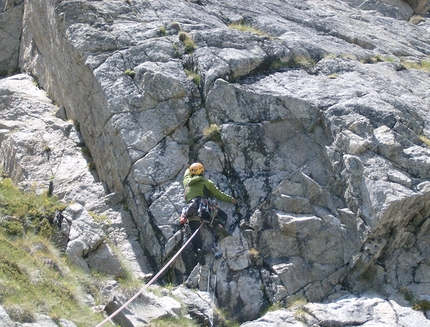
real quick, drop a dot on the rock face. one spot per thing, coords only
(419, 6)
(347, 311)
(11, 12)
(38, 149)
(321, 134)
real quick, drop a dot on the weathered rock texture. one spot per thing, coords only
(347, 311)
(11, 12)
(39, 149)
(419, 6)
(321, 129)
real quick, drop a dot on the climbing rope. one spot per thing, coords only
(151, 281)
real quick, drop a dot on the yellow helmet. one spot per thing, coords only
(197, 169)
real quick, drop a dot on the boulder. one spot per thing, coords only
(146, 307)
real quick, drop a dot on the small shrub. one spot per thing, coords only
(44, 228)
(46, 148)
(91, 165)
(86, 151)
(176, 26)
(162, 30)
(212, 132)
(187, 40)
(254, 255)
(130, 73)
(421, 305)
(12, 228)
(193, 76)
(183, 36)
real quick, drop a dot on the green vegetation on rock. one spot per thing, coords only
(34, 277)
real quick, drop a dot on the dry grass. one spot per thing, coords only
(212, 132)
(188, 41)
(425, 140)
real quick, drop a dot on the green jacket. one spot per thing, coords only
(195, 186)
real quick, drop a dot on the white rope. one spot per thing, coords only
(151, 281)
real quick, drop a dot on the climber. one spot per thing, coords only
(198, 190)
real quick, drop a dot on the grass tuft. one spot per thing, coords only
(416, 19)
(297, 305)
(275, 306)
(39, 271)
(248, 29)
(423, 65)
(170, 321)
(407, 294)
(187, 40)
(224, 318)
(213, 133)
(31, 265)
(425, 140)
(303, 62)
(193, 76)
(254, 255)
(422, 305)
(26, 211)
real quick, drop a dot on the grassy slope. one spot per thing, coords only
(34, 277)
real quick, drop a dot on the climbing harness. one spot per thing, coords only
(151, 281)
(204, 208)
(208, 209)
